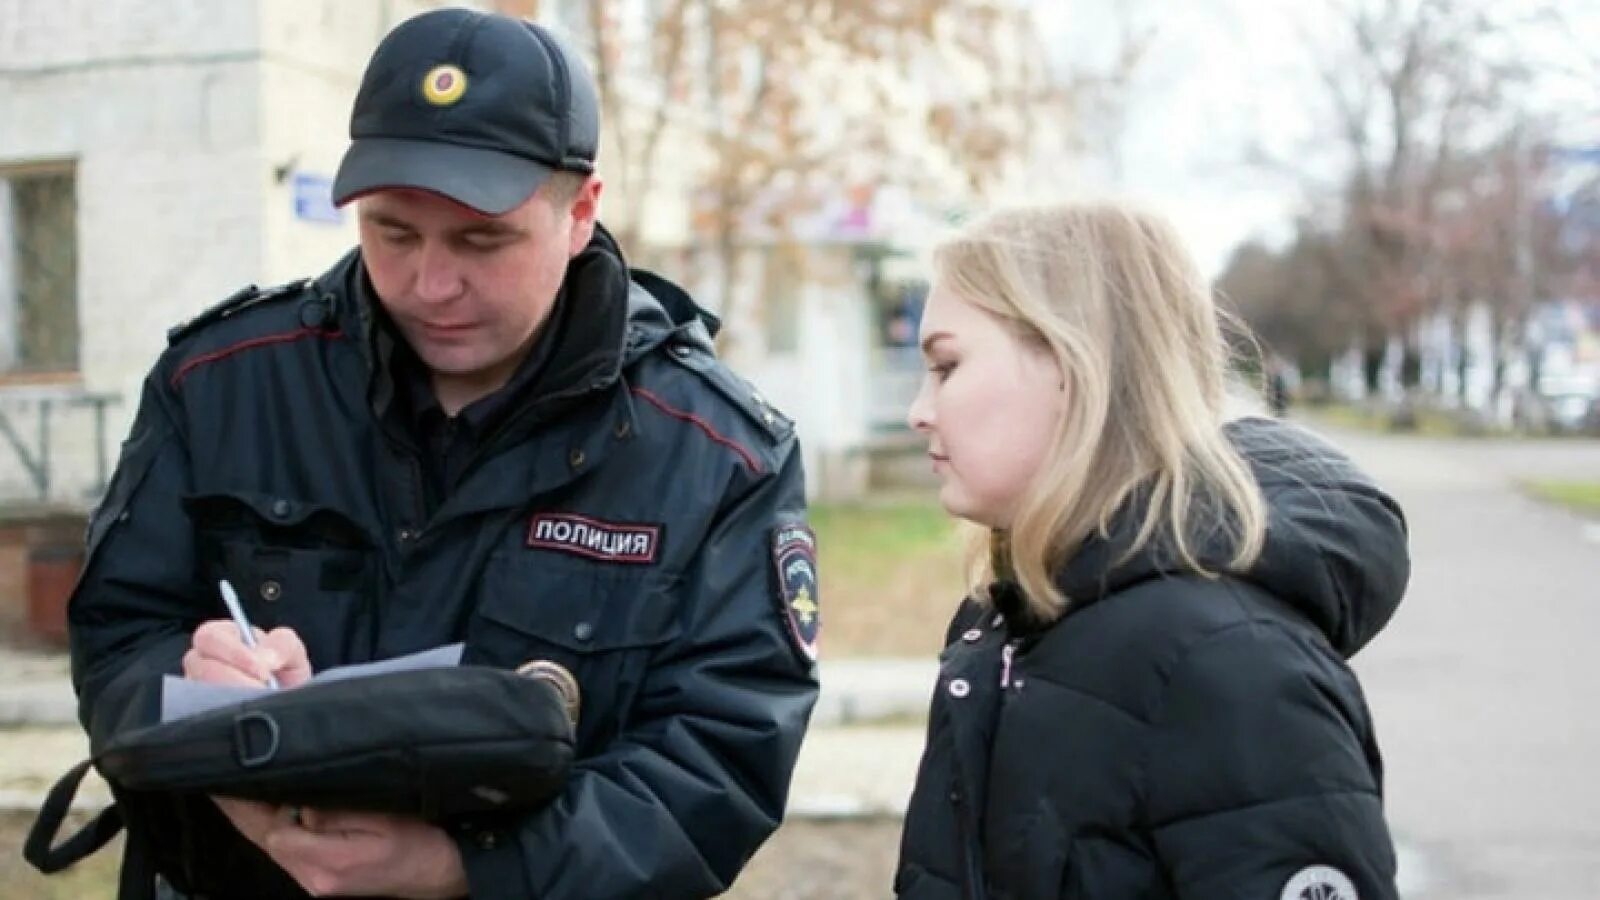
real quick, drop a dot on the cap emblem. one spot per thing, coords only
(444, 85)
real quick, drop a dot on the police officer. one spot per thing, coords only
(479, 426)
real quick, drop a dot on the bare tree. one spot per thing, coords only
(780, 106)
(1409, 89)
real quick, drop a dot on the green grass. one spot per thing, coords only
(855, 540)
(890, 571)
(1430, 422)
(1582, 496)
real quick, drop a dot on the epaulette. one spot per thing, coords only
(239, 301)
(680, 307)
(739, 392)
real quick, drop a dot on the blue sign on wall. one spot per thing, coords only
(313, 199)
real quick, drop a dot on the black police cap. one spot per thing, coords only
(477, 107)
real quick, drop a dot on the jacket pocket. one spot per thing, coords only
(601, 622)
(294, 564)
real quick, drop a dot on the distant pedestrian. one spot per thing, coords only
(1278, 389)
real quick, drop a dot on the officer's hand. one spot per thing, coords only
(342, 854)
(217, 655)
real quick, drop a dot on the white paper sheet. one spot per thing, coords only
(181, 698)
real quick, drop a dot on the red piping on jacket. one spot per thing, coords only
(749, 459)
(213, 356)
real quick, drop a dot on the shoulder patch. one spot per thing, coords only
(794, 554)
(240, 300)
(739, 392)
(1319, 883)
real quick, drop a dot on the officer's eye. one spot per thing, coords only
(399, 236)
(484, 242)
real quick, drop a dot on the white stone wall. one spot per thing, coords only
(824, 383)
(313, 52)
(156, 104)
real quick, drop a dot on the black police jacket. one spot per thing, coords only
(640, 521)
(1173, 736)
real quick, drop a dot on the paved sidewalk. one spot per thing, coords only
(868, 691)
(35, 689)
(1484, 685)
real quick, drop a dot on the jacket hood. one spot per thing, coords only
(1335, 548)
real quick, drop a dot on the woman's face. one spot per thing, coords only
(988, 407)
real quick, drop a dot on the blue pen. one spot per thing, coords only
(247, 633)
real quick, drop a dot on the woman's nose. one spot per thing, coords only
(920, 415)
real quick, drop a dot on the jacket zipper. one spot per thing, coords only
(1007, 656)
(973, 874)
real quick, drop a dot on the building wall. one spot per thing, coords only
(313, 51)
(822, 380)
(157, 107)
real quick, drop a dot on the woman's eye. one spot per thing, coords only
(942, 371)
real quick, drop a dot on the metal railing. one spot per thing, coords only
(32, 422)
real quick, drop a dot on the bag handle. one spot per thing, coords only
(51, 859)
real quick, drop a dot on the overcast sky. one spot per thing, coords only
(1221, 75)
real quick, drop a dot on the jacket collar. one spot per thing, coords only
(585, 333)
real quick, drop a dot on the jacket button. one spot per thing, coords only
(682, 351)
(623, 429)
(583, 631)
(271, 591)
(317, 312)
(959, 688)
(486, 840)
(406, 535)
(576, 459)
(972, 635)
(280, 508)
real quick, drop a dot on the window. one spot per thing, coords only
(38, 270)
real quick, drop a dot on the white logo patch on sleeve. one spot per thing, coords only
(1319, 883)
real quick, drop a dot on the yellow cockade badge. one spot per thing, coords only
(444, 85)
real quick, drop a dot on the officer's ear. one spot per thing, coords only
(585, 212)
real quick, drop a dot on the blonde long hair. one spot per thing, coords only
(1113, 295)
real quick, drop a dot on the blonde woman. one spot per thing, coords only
(1146, 694)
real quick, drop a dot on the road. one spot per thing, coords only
(1486, 685)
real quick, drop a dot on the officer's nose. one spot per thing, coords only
(439, 274)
